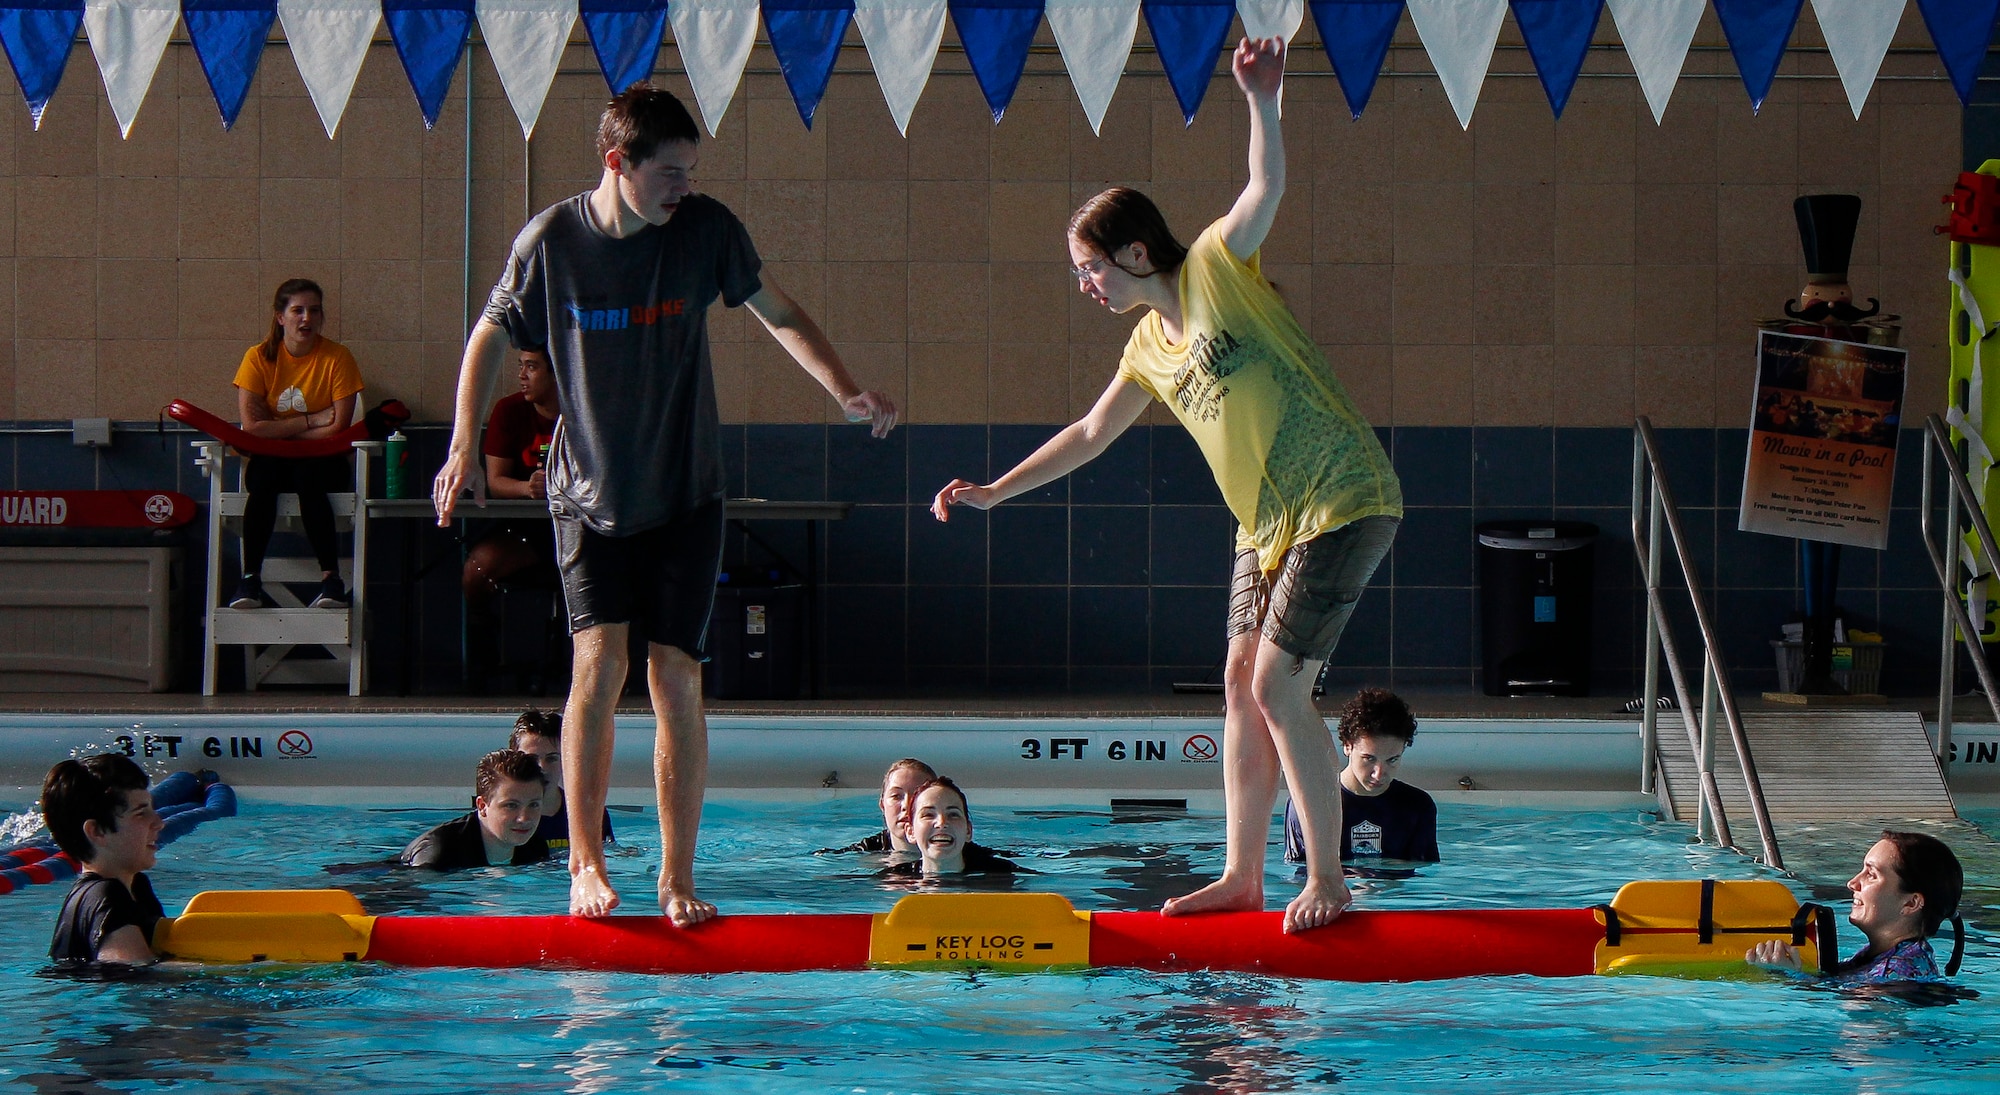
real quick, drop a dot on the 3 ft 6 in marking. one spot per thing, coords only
(1075, 748)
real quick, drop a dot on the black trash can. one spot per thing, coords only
(1535, 581)
(756, 638)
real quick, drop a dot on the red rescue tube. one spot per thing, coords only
(180, 410)
(1415, 945)
(635, 944)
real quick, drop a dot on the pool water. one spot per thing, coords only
(361, 1027)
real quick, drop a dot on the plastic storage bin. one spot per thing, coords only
(1857, 666)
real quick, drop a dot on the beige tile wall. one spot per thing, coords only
(1528, 272)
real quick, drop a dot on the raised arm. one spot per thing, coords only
(1259, 67)
(483, 354)
(1078, 444)
(808, 345)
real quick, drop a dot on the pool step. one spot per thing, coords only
(1815, 765)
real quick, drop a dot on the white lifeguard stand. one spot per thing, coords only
(268, 636)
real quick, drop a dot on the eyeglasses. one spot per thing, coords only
(1089, 270)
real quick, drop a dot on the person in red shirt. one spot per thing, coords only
(516, 447)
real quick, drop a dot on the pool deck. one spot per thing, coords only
(1441, 705)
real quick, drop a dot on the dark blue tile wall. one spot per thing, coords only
(1115, 579)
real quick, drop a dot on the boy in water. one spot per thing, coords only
(100, 811)
(500, 830)
(941, 828)
(539, 734)
(1909, 883)
(1381, 816)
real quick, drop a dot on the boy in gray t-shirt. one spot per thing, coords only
(615, 284)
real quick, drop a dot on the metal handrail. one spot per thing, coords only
(1957, 621)
(1651, 511)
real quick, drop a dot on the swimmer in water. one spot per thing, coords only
(539, 734)
(899, 792)
(941, 828)
(100, 811)
(1381, 816)
(500, 830)
(1908, 886)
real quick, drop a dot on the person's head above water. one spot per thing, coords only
(508, 792)
(539, 734)
(900, 785)
(1375, 728)
(648, 144)
(941, 826)
(1908, 885)
(100, 812)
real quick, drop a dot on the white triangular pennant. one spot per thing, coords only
(1095, 37)
(1271, 18)
(329, 40)
(127, 37)
(1858, 34)
(902, 37)
(1656, 34)
(714, 37)
(526, 39)
(1459, 36)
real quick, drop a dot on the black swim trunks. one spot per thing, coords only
(661, 580)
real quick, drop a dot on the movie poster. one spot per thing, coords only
(1822, 454)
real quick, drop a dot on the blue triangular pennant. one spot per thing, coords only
(37, 35)
(429, 36)
(806, 34)
(1961, 30)
(996, 35)
(1356, 34)
(1188, 34)
(1558, 35)
(228, 38)
(1757, 32)
(625, 35)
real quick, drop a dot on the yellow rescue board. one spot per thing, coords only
(1660, 927)
(235, 926)
(1008, 931)
(1979, 266)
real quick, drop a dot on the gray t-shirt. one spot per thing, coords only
(625, 323)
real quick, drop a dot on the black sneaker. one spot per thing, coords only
(249, 592)
(331, 594)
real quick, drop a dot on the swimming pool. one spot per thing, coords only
(362, 1027)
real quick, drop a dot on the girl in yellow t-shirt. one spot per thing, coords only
(1316, 501)
(294, 385)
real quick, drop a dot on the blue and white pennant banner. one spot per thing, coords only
(330, 39)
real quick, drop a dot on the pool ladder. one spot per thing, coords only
(1654, 513)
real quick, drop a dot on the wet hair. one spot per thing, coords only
(506, 764)
(91, 789)
(1376, 713)
(642, 118)
(947, 783)
(1925, 865)
(542, 724)
(1122, 216)
(287, 289)
(914, 765)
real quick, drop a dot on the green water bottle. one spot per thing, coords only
(397, 483)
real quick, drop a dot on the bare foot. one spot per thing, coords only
(590, 894)
(1318, 905)
(1223, 895)
(685, 910)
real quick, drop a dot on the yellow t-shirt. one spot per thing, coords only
(300, 385)
(1293, 457)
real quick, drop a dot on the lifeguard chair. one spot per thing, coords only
(269, 636)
